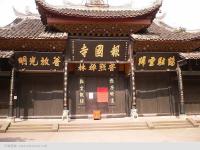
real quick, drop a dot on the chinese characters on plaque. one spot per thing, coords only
(96, 67)
(155, 61)
(100, 50)
(111, 90)
(39, 61)
(81, 91)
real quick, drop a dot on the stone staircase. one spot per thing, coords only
(172, 124)
(99, 126)
(102, 127)
(14, 127)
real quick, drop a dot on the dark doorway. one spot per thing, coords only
(191, 85)
(95, 94)
(154, 94)
(4, 95)
(40, 94)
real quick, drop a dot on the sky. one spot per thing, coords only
(178, 13)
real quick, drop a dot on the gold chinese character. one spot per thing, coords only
(32, 61)
(81, 81)
(142, 61)
(84, 50)
(161, 61)
(115, 51)
(112, 100)
(102, 67)
(111, 93)
(93, 67)
(81, 100)
(82, 67)
(112, 87)
(56, 61)
(111, 80)
(99, 51)
(171, 61)
(81, 88)
(22, 60)
(151, 61)
(81, 94)
(45, 61)
(111, 67)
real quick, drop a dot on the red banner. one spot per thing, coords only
(102, 95)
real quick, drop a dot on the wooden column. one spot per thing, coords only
(10, 114)
(133, 85)
(181, 91)
(65, 86)
(65, 91)
(133, 89)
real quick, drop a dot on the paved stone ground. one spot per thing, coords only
(169, 135)
(156, 135)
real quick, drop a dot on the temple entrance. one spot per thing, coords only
(104, 93)
(5, 73)
(155, 94)
(4, 95)
(192, 94)
(97, 94)
(40, 95)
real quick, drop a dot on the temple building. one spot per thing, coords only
(75, 60)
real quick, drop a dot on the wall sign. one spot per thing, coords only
(81, 91)
(99, 50)
(39, 60)
(97, 67)
(111, 90)
(156, 61)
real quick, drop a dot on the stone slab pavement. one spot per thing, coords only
(167, 135)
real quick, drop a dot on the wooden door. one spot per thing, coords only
(91, 94)
(153, 94)
(41, 94)
(96, 94)
(4, 95)
(95, 91)
(191, 85)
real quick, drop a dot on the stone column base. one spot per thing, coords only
(11, 119)
(66, 115)
(134, 113)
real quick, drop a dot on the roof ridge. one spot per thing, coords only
(41, 4)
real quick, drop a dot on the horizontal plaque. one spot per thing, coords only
(99, 50)
(156, 61)
(39, 60)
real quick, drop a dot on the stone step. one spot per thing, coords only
(30, 127)
(29, 130)
(121, 123)
(102, 129)
(101, 125)
(173, 127)
(170, 123)
(98, 127)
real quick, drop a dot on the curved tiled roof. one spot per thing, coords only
(161, 32)
(96, 13)
(31, 34)
(193, 55)
(6, 54)
(29, 28)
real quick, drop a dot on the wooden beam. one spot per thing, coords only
(52, 20)
(98, 62)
